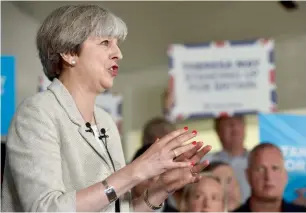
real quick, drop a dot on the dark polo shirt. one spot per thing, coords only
(286, 207)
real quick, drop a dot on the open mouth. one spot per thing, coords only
(114, 70)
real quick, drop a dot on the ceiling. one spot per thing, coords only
(155, 25)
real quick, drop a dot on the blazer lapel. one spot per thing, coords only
(66, 101)
(91, 140)
(104, 120)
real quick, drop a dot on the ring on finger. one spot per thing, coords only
(193, 173)
(175, 154)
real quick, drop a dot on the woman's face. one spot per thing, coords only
(226, 176)
(206, 196)
(97, 63)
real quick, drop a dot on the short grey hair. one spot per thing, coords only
(67, 27)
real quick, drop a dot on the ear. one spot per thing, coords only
(69, 59)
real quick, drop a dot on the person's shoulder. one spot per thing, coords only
(169, 208)
(33, 115)
(42, 101)
(211, 156)
(239, 209)
(39, 109)
(242, 208)
(291, 207)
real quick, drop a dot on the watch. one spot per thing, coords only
(109, 192)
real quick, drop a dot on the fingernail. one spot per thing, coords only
(157, 139)
(192, 163)
(186, 128)
(194, 143)
(194, 132)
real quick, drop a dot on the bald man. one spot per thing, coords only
(267, 177)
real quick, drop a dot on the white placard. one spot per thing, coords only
(112, 103)
(222, 77)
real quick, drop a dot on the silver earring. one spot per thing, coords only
(73, 62)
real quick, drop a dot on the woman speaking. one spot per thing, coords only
(64, 154)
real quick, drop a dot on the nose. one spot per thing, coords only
(230, 185)
(205, 203)
(268, 174)
(116, 53)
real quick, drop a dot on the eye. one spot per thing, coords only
(197, 196)
(275, 168)
(260, 169)
(105, 42)
(229, 180)
(219, 179)
(216, 196)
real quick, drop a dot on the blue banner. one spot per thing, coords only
(8, 97)
(287, 131)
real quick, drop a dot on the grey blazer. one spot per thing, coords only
(50, 155)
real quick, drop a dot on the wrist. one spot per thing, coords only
(123, 179)
(160, 188)
(155, 195)
(109, 191)
(149, 204)
(137, 172)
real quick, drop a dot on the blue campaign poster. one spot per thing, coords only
(287, 131)
(8, 97)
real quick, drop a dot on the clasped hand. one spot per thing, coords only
(174, 161)
(175, 179)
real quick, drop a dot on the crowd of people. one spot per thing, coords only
(236, 180)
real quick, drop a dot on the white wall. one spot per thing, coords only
(18, 39)
(291, 70)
